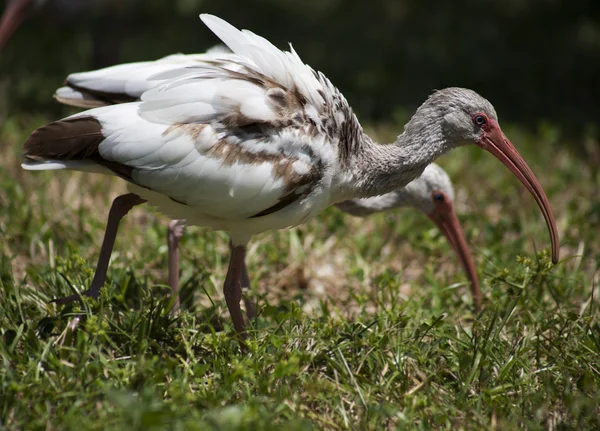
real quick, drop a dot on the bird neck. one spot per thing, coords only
(379, 169)
(375, 204)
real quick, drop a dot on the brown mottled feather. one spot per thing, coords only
(191, 129)
(297, 185)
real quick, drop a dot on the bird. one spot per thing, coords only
(127, 82)
(265, 144)
(432, 193)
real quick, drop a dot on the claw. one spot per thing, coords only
(77, 296)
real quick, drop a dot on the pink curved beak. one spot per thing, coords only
(14, 14)
(498, 144)
(445, 219)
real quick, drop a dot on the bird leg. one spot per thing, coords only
(119, 208)
(232, 288)
(174, 234)
(245, 282)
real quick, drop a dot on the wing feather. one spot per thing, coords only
(198, 165)
(242, 136)
(127, 82)
(284, 68)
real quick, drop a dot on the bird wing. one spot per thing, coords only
(223, 144)
(285, 68)
(127, 82)
(241, 138)
(254, 57)
(292, 89)
(326, 106)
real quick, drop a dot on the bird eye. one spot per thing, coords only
(438, 197)
(479, 119)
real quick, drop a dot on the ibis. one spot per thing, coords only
(258, 143)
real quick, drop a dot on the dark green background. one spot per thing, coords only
(536, 60)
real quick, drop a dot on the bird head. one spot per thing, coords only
(444, 216)
(433, 194)
(467, 118)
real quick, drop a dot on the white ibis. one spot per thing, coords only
(264, 145)
(431, 193)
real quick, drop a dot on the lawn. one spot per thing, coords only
(363, 324)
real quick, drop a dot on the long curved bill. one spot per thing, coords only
(445, 219)
(498, 144)
(11, 19)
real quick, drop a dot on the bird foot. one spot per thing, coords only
(77, 296)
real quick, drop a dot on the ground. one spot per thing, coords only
(364, 324)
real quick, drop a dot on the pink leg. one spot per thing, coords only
(232, 288)
(120, 207)
(245, 282)
(175, 232)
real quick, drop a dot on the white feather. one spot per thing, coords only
(133, 79)
(69, 96)
(74, 165)
(284, 68)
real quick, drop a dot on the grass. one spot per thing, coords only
(364, 324)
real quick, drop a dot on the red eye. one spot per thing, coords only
(480, 120)
(439, 197)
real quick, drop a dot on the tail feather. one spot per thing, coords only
(72, 140)
(79, 99)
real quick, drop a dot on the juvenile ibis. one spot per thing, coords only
(432, 193)
(260, 143)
